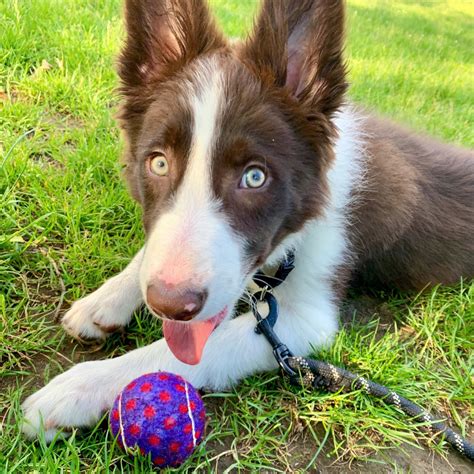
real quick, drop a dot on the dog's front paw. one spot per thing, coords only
(76, 398)
(98, 315)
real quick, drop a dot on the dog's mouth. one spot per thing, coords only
(187, 340)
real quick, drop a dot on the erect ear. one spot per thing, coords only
(300, 44)
(162, 36)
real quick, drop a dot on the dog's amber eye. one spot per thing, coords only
(159, 164)
(253, 177)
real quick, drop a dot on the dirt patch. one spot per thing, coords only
(362, 308)
(407, 459)
(301, 447)
(45, 160)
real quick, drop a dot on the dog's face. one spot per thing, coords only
(228, 148)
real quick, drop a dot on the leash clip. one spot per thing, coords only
(282, 354)
(265, 327)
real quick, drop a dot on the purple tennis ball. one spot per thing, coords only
(161, 414)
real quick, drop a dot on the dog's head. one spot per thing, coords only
(227, 147)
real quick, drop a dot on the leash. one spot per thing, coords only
(317, 374)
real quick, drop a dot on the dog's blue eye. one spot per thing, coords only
(253, 177)
(159, 164)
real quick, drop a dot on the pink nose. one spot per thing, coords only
(175, 301)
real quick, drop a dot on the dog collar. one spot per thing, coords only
(269, 282)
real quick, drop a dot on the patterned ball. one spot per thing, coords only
(160, 413)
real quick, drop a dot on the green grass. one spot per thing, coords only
(67, 224)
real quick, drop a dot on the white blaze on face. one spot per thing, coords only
(193, 242)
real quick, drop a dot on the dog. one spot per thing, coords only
(238, 153)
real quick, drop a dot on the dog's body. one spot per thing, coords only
(239, 154)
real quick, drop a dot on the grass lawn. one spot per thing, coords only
(67, 224)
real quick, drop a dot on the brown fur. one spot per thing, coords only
(162, 37)
(299, 44)
(414, 224)
(264, 126)
(413, 220)
(278, 122)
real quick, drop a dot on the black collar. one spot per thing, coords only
(269, 282)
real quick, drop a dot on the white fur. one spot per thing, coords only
(308, 313)
(111, 306)
(193, 241)
(322, 246)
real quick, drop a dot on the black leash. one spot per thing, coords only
(317, 374)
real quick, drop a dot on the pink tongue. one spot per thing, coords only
(187, 340)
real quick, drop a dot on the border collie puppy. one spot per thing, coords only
(239, 153)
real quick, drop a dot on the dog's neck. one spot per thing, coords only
(322, 247)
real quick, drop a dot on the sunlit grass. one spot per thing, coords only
(67, 224)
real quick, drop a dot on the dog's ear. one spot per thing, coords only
(162, 36)
(299, 44)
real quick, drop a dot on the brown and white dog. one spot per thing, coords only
(238, 153)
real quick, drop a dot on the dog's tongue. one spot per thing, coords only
(187, 340)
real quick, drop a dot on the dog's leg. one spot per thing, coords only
(108, 308)
(80, 396)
